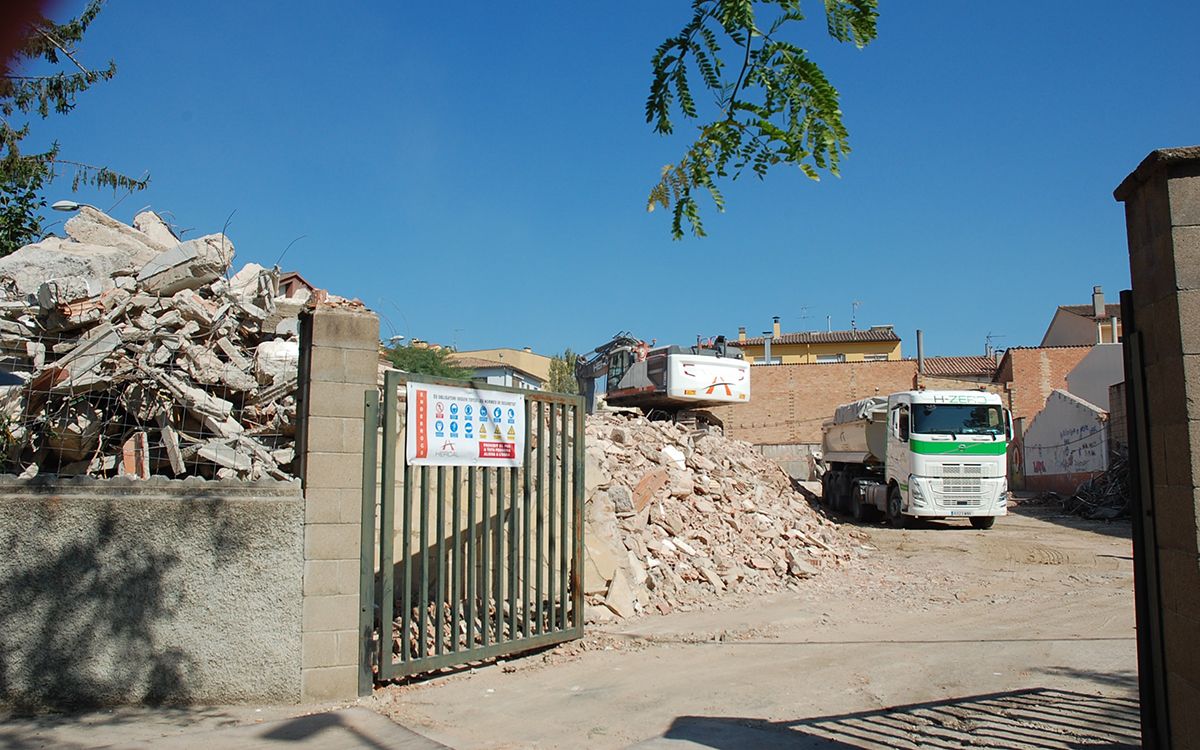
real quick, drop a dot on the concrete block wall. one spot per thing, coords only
(161, 591)
(339, 362)
(1162, 215)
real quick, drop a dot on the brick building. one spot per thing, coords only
(788, 403)
(1030, 375)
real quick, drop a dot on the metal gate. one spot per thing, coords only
(472, 563)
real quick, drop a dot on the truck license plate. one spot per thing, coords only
(960, 512)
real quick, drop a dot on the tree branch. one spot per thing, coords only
(64, 50)
(741, 76)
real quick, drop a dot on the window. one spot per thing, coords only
(958, 419)
(875, 358)
(829, 359)
(902, 422)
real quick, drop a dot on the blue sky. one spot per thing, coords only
(477, 173)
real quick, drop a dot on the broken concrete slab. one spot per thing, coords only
(92, 227)
(67, 289)
(188, 265)
(152, 225)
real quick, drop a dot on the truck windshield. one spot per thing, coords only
(957, 419)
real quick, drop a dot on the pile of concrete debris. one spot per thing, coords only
(126, 351)
(677, 519)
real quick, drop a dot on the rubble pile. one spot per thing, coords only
(1104, 497)
(677, 519)
(129, 352)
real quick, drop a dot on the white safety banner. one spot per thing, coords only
(456, 426)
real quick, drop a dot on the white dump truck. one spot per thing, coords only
(919, 454)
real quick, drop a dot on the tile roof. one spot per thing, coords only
(824, 337)
(1111, 310)
(980, 366)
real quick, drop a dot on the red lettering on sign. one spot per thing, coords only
(497, 450)
(422, 424)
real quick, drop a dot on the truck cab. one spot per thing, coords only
(946, 455)
(919, 454)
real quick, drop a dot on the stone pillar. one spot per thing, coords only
(1162, 215)
(339, 361)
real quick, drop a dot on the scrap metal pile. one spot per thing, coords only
(1105, 496)
(677, 519)
(130, 352)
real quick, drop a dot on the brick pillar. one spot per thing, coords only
(339, 361)
(1162, 215)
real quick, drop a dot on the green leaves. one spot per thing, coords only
(426, 361)
(22, 175)
(562, 373)
(780, 107)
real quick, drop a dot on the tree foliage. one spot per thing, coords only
(426, 361)
(52, 46)
(778, 108)
(562, 373)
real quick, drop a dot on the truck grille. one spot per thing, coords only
(962, 479)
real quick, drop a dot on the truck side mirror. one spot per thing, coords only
(1008, 425)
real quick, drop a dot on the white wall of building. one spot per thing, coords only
(508, 377)
(1102, 368)
(1069, 436)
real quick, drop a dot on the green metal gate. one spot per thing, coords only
(473, 562)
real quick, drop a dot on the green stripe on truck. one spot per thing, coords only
(931, 448)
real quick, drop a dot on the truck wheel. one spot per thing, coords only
(895, 517)
(844, 491)
(983, 522)
(860, 510)
(826, 498)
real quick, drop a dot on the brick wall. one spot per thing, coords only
(934, 383)
(788, 403)
(1032, 374)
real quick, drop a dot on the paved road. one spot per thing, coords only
(1017, 637)
(212, 728)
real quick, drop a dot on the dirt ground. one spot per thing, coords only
(942, 636)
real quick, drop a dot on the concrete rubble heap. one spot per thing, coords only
(138, 354)
(677, 519)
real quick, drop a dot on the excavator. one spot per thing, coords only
(665, 382)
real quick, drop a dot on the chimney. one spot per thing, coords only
(1116, 339)
(741, 333)
(528, 350)
(998, 355)
(767, 347)
(775, 327)
(920, 352)
(1097, 303)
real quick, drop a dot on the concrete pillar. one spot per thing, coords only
(339, 360)
(1162, 214)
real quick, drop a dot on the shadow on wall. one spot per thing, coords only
(1036, 719)
(89, 605)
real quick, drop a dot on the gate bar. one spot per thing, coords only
(541, 521)
(387, 533)
(471, 572)
(456, 589)
(366, 571)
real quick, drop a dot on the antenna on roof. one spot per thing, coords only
(854, 314)
(988, 349)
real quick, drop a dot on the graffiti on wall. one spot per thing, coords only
(1080, 448)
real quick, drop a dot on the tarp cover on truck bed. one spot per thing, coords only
(857, 410)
